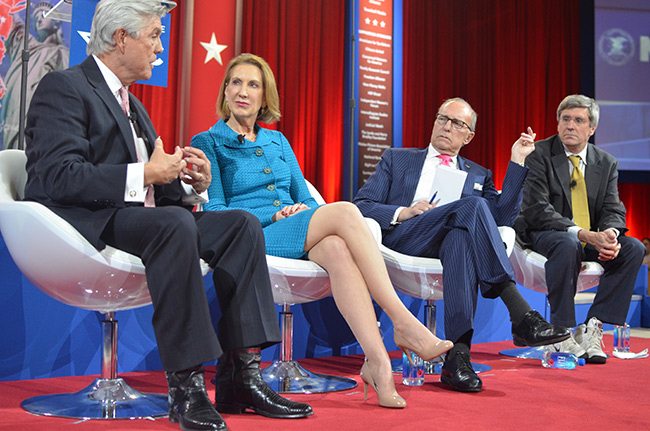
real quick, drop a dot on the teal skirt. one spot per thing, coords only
(286, 238)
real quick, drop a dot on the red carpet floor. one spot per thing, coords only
(518, 394)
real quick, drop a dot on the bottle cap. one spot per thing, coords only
(581, 361)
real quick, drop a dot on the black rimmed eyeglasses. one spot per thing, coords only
(455, 123)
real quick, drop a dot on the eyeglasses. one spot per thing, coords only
(455, 123)
(578, 120)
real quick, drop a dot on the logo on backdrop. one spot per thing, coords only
(82, 18)
(616, 46)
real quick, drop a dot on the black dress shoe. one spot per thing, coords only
(457, 371)
(534, 331)
(189, 405)
(240, 386)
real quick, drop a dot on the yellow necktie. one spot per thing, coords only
(579, 202)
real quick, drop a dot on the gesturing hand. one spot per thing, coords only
(200, 176)
(523, 146)
(163, 168)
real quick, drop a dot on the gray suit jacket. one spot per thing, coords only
(547, 191)
(78, 145)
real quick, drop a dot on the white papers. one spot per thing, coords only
(447, 185)
(631, 355)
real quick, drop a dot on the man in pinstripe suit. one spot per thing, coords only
(463, 234)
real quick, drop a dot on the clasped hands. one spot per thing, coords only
(163, 168)
(605, 242)
(288, 211)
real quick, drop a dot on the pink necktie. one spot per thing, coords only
(445, 160)
(149, 199)
(124, 95)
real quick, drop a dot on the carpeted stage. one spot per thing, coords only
(519, 394)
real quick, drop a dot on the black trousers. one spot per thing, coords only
(564, 254)
(170, 240)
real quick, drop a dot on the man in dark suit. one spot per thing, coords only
(463, 234)
(93, 158)
(571, 213)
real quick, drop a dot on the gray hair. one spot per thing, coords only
(472, 125)
(132, 15)
(580, 101)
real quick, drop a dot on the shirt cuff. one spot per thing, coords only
(191, 197)
(135, 191)
(394, 221)
(574, 230)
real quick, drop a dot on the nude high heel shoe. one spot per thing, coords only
(434, 349)
(392, 400)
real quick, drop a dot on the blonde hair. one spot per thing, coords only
(269, 113)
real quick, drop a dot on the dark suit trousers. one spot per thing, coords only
(170, 240)
(565, 254)
(464, 236)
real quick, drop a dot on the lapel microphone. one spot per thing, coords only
(133, 118)
(240, 138)
(573, 183)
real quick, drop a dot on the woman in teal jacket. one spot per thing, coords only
(255, 169)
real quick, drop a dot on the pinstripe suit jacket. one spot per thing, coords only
(396, 178)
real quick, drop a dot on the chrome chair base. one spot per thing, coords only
(288, 377)
(103, 399)
(524, 352)
(434, 366)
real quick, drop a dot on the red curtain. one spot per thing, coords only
(637, 203)
(512, 60)
(303, 42)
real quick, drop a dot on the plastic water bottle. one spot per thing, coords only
(412, 375)
(567, 361)
(622, 338)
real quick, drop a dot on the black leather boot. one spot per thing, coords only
(239, 386)
(189, 404)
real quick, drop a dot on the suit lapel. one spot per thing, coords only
(144, 122)
(593, 173)
(468, 187)
(96, 80)
(412, 176)
(561, 168)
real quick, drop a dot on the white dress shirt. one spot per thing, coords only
(423, 192)
(135, 190)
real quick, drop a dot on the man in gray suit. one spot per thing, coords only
(94, 159)
(571, 213)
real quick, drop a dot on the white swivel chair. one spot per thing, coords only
(529, 272)
(59, 261)
(296, 281)
(421, 277)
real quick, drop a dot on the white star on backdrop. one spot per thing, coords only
(213, 50)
